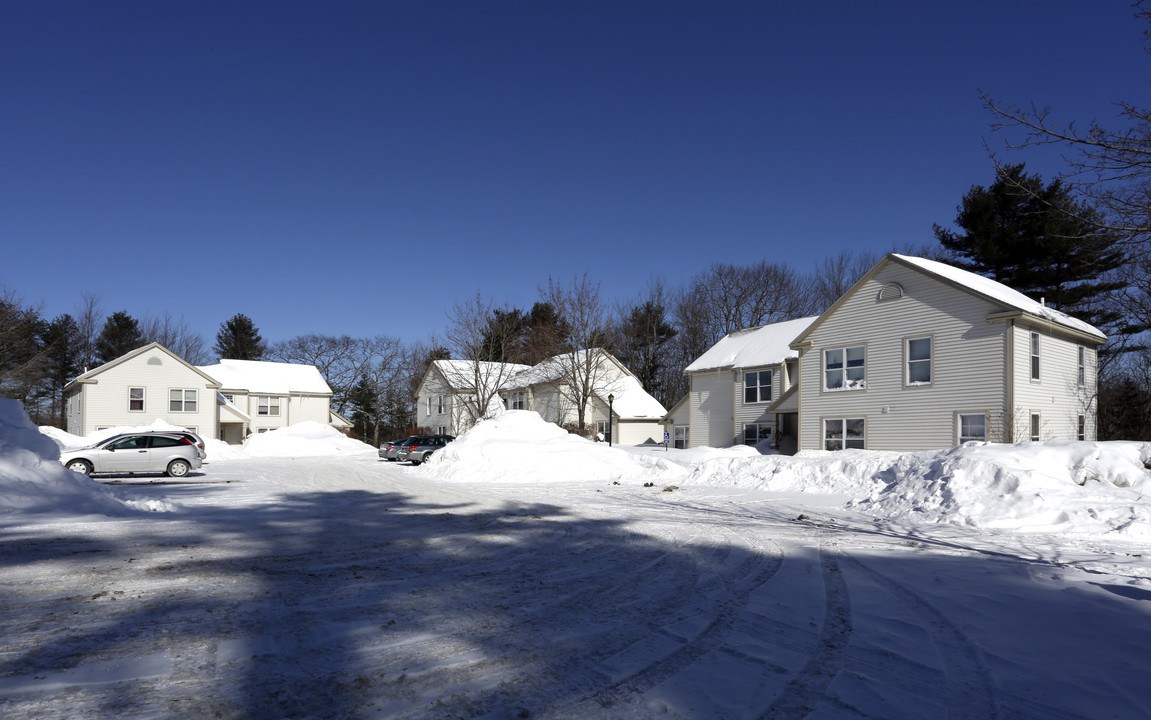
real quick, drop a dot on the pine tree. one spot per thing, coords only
(61, 342)
(238, 339)
(121, 334)
(1039, 240)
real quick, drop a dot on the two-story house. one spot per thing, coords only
(916, 355)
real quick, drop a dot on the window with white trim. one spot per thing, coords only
(518, 401)
(845, 368)
(440, 405)
(1082, 366)
(972, 426)
(182, 400)
(757, 386)
(442, 430)
(844, 433)
(679, 437)
(1035, 423)
(1081, 432)
(229, 397)
(135, 399)
(918, 352)
(268, 405)
(1034, 356)
(755, 433)
(429, 404)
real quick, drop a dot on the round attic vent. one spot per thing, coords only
(890, 291)
(154, 361)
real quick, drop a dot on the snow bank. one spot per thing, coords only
(68, 441)
(305, 439)
(518, 446)
(32, 478)
(1076, 487)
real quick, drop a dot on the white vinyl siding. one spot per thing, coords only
(105, 403)
(1058, 398)
(968, 362)
(712, 409)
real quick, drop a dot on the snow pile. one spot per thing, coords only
(521, 447)
(305, 439)
(1090, 488)
(68, 441)
(847, 472)
(1095, 488)
(32, 478)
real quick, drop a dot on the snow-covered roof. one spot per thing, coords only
(459, 374)
(262, 376)
(631, 400)
(999, 293)
(555, 367)
(753, 347)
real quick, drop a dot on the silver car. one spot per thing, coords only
(172, 454)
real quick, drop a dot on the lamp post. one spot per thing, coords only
(610, 400)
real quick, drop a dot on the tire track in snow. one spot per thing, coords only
(810, 685)
(970, 688)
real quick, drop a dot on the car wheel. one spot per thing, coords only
(178, 468)
(416, 462)
(81, 466)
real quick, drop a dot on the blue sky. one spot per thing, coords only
(359, 167)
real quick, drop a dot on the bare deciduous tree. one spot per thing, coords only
(176, 336)
(334, 357)
(481, 368)
(586, 326)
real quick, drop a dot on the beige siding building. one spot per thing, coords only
(742, 389)
(917, 355)
(920, 355)
(227, 401)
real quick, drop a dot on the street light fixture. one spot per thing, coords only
(610, 415)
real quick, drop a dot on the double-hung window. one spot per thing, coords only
(181, 400)
(518, 402)
(1035, 424)
(1081, 432)
(844, 433)
(135, 399)
(972, 426)
(440, 404)
(1082, 366)
(1034, 356)
(918, 352)
(757, 386)
(845, 368)
(268, 405)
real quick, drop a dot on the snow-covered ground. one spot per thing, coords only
(525, 573)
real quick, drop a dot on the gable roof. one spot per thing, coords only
(990, 290)
(556, 367)
(753, 347)
(90, 376)
(272, 378)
